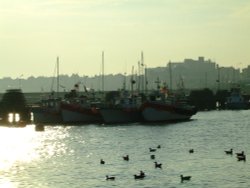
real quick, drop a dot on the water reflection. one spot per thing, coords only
(23, 147)
(16, 145)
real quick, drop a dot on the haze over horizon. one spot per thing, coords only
(34, 33)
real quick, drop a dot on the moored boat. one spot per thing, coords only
(79, 109)
(47, 112)
(163, 106)
(112, 115)
(155, 111)
(78, 113)
(125, 109)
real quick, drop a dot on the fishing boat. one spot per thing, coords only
(77, 109)
(48, 111)
(123, 109)
(164, 106)
(166, 110)
(79, 112)
(121, 106)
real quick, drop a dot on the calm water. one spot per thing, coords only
(69, 156)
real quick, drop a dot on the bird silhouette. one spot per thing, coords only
(185, 178)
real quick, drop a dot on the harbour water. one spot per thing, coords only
(69, 156)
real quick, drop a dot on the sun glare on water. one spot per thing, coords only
(24, 145)
(17, 145)
(21, 147)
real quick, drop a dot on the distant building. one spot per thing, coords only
(193, 73)
(199, 73)
(246, 73)
(229, 76)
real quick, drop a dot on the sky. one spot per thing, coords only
(34, 32)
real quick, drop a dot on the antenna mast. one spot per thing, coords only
(103, 72)
(142, 72)
(57, 63)
(132, 81)
(170, 75)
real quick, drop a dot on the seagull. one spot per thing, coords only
(241, 157)
(191, 151)
(152, 150)
(102, 161)
(185, 178)
(157, 165)
(240, 154)
(229, 152)
(126, 158)
(140, 176)
(110, 177)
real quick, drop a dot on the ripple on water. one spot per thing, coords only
(70, 156)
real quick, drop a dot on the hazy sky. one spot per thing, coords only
(34, 32)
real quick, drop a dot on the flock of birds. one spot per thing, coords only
(240, 156)
(142, 174)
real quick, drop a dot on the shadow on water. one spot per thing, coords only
(161, 123)
(165, 123)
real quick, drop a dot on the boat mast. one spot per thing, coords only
(132, 81)
(57, 63)
(142, 72)
(170, 75)
(139, 77)
(124, 82)
(103, 73)
(146, 80)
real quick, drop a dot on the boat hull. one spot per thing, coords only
(77, 114)
(46, 116)
(119, 115)
(153, 112)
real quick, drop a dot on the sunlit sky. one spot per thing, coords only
(34, 32)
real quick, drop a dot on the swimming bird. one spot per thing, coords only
(102, 161)
(110, 177)
(152, 150)
(152, 156)
(142, 173)
(241, 157)
(140, 176)
(240, 154)
(191, 151)
(126, 158)
(229, 152)
(159, 146)
(185, 178)
(158, 165)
